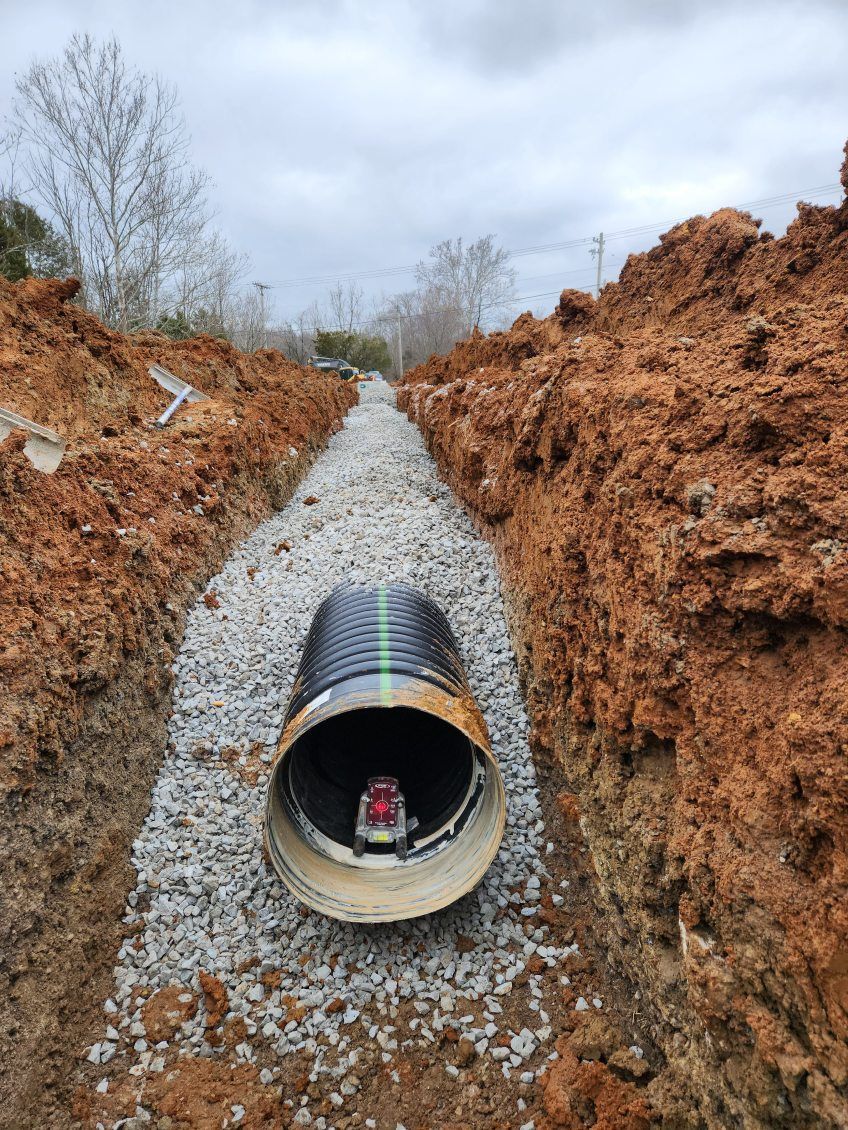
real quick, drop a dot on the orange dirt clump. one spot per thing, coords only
(191, 1092)
(200, 1093)
(165, 1011)
(663, 475)
(214, 998)
(247, 765)
(580, 1094)
(98, 563)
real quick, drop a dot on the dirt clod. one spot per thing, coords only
(214, 998)
(166, 1010)
(579, 1094)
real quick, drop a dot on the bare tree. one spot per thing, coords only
(344, 308)
(295, 337)
(10, 144)
(107, 157)
(247, 329)
(425, 324)
(460, 287)
(475, 281)
(206, 284)
(29, 245)
(176, 231)
(435, 322)
(341, 309)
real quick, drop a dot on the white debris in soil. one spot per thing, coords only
(383, 516)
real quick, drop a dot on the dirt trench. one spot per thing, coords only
(98, 563)
(662, 474)
(232, 999)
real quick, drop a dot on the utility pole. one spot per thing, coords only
(598, 251)
(262, 287)
(400, 345)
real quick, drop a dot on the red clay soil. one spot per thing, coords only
(190, 1094)
(606, 1074)
(98, 563)
(664, 474)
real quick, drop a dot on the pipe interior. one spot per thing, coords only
(330, 764)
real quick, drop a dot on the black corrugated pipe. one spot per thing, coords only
(385, 801)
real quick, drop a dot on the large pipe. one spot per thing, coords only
(385, 801)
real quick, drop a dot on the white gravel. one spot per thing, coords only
(383, 515)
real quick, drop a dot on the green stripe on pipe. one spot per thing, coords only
(383, 622)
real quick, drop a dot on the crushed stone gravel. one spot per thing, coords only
(205, 899)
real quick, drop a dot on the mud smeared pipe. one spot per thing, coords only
(381, 695)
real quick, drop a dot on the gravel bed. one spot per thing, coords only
(204, 894)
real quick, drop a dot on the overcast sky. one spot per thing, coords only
(348, 136)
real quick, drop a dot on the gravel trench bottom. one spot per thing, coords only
(348, 1001)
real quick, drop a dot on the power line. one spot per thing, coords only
(563, 245)
(552, 293)
(380, 272)
(766, 202)
(598, 249)
(558, 274)
(544, 248)
(385, 272)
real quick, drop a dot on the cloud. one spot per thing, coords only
(350, 135)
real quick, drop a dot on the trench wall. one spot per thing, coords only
(662, 474)
(98, 564)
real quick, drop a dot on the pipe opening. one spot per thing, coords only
(385, 800)
(329, 767)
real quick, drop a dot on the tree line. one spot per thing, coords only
(96, 180)
(458, 287)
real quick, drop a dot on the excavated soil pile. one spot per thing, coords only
(97, 565)
(663, 474)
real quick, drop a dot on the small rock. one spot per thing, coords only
(699, 497)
